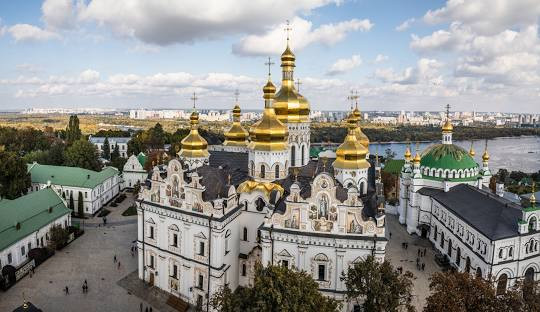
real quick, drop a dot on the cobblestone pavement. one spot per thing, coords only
(89, 257)
(406, 258)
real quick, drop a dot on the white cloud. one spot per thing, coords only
(405, 25)
(29, 68)
(89, 76)
(344, 65)
(302, 35)
(487, 17)
(26, 32)
(168, 22)
(58, 14)
(380, 58)
(426, 71)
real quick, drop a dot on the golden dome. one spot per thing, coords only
(236, 135)
(351, 154)
(447, 127)
(360, 136)
(417, 158)
(269, 134)
(485, 156)
(472, 152)
(408, 154)
(194, 145)
(289, 105)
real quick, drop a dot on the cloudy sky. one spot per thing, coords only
(412, 55)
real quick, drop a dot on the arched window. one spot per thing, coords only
(252, 168)
(303, 155)
(263, 171)
(293, 156)
(245, 234)
(532, 224)
(449, 248)
(500, 253)
(501, 284)
(458, 256)
(529, 275)
(362, 187)
(478, 272)
(468, 265)
(277, 172)
(442, 239)
(511, 252)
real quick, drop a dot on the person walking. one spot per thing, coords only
(114, 258)
(423, 266)
(118, 265)
(140, 307)
(67, 290)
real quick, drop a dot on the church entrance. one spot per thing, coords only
(424, 232)
(151, 279)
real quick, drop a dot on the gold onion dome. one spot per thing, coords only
(472, 153)
(407, 154)
(269, 134)
(351, 154)
(485, 156)
(194, 145)
(417, 158)
(447, 127)
(289, 104)
(236, 135)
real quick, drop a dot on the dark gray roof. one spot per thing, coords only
(232, 160)
(491, 215)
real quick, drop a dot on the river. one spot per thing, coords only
(512, 153)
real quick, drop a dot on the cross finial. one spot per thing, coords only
(447, 111)
(350, 98)
(354, 97)
(269, 64)
(298, 83)
(194, 98)
(288, 29)
(236, 94)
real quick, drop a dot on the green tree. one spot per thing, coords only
(116, 153)
(80, 205)
(82, 154)
(56, 154)
(14, 178)
(106, 149)
(71, 204)
(39, 156)
(58, 237)
(378, 287)
(462, 292)
(73, 132)
(275, 288)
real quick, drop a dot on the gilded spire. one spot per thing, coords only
(417, 158)
(447, 127)
(194, 145)
(351, 154)
(269, 134)
(407, 154)
(355, 118)
(472, 153)
(532, 199)
(236, 135)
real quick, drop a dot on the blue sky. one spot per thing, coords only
(411, 55)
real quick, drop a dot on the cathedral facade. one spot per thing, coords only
(206, 220)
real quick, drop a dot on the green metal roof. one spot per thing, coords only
(31, 212)
(447, 156)
(142, 158)
(69, 176)
(394, 165)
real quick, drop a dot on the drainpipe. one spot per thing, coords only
(209, 261)
(272, 243)
(144, 253)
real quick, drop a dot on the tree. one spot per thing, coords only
(378, 287)
(106, 149)
(58, 237)
(116, 153)
(80, 205)
(461, 292)
(73, 132)
(14, 178)
(71, 204)
(56, 154)
(389, 154)
(275, 288)
(82, 154)
(36, 156)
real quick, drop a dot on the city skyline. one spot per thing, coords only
(414, 57)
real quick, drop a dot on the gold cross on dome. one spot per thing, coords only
(194, 98)
(355, 97)
(236, 94)
(288, 29)
(447, 111)
(298, 83)
(269, 64)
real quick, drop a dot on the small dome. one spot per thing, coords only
(236, 135)
(269, 90)
(472, 153)
(287, 57)
(351, 154)
(485, 156)
(447, 127)
(407, 154)
(447, 156)
(194, 145)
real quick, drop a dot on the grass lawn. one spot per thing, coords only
(131, 211)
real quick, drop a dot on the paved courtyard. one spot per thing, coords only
(89, 257)
(406, 258)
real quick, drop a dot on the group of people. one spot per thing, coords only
(84, 288)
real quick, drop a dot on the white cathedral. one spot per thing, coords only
(445, 197)
(218, 210)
